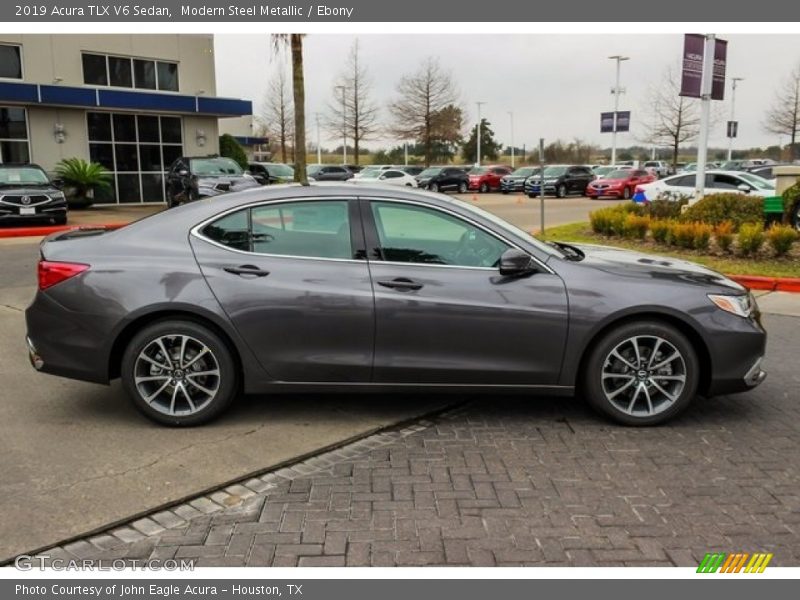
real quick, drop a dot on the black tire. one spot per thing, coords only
(228, 378)
(504, 191)
(626, 193)
(171, 202)
(593, 381)
(434, 187)
(561, 191)
(484, 188)
(61, 220)
(531, 195)
(462, 188)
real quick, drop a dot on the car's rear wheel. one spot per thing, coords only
(179, 373)
(642, 373)
(462, 188)
(484, 188)
(561, 191)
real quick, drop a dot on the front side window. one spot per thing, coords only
(310, 229)
(10, 62)
(413, 234)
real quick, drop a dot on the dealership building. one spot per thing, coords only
(133, 103)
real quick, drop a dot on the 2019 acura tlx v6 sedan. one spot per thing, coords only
(327, 287)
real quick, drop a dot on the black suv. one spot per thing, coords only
(560, 181)
(329, 173)
(27, 194)
(441, 179)
(193, 177)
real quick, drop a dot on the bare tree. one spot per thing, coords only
(783, 117)
(277, 115)
(357, 117)
(673, 119)
(419, 111)
(294, 41)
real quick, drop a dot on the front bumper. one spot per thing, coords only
(737, 347)
(597, 193)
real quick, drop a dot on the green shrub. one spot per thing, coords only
(230, 148)
(682, 234)
(660, 228)
(781, 238)
(723, 233)
(736, 208)
(83, 178)
(598, 219)
(791, 196)
(635, 226)
(702, 236)
(751, 238)
(609, 221)
(664, 209)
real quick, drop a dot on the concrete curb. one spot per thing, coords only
(47, 230)
(769, 284)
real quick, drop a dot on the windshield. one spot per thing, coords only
(313, 169)
(731, 165)
(508, 227)
(478, 170)
(215, 167)
(431, 172)
(525, 172)
(281, 170)
(554, 171)
(619, 174)
(23, 176)
(370, 173)
(603, 170)
(757, 181)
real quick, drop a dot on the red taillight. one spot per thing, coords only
(51, 273)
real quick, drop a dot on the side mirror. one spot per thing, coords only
(516, 262)
(743, 187)
(183, 172)
(58, 183)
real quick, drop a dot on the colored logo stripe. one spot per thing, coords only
(733, 563)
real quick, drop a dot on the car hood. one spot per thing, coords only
(627, 263)
(610, 181)
(33, 190)
(515, 177)
(232, 182)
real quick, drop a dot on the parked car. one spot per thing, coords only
(661, 168)
(487, 179)
(28, 195)
(442, 179)
(268, 173)
(413, 170)
(371, 169)
(329, 173)
(619, 184)
(560, 181)
(193, 177)
(326, 288)
(515, 181)
(716, 181)
(386, 176)
(766, 171)
(601, 172)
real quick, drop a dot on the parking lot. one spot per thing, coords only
(501, 481)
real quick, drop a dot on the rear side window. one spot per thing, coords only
(315, 229)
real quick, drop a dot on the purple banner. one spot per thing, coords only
(692, 71)
(624, 120)
(720, 61)
(606, 122)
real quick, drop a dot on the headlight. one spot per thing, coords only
(741, 306)
(58, 196)
(550, 180)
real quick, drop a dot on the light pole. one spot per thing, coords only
(617, 90)
(405, 153)
(478, 158)
(735, 80)
(344, 123)
(511, 115)
(319, 148)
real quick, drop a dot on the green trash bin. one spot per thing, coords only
(773, 209)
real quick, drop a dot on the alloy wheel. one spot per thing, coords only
(643, 376)
(177, 375)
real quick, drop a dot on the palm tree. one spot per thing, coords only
(85, 178)
(295, 43)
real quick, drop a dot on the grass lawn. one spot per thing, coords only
(724, 263)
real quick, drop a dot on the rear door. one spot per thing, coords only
(292, 277)
(444, 314)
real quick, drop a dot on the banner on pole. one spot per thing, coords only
(606, 122)
(692, 70)
(733, 129)
(624, 120)
(720, 64)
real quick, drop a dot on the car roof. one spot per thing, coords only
(11, 165)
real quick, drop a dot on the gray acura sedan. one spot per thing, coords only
(328, 287)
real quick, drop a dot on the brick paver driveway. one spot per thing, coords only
(507, 481)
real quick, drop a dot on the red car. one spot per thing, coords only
(619, 184)
(485, 179)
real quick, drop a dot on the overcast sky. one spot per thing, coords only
(556, 85)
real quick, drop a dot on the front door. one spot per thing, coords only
(287, 276)
(443, 312)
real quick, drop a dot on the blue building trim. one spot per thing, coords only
(93, 98)
(249, 140)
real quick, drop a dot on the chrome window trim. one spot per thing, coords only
(195, 231)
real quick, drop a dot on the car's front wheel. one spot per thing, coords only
(179, 373)
(434, 187)
(462, 188)
(484, 188)
(626, 193)
(642, 373)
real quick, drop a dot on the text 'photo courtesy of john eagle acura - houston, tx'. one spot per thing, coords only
(335, 287)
